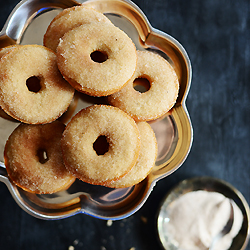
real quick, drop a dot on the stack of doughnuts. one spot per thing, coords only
(109, 144)
(92, 164)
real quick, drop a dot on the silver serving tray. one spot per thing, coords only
(26, 25)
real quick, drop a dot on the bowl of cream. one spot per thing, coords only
(196, 210)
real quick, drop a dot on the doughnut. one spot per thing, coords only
(6, 116)
(33, 158)
(32, 90)
(68, 19)
(101, 143)
(145, 162)
(159, 80)
(97, 59)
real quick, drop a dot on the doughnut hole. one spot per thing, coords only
(34, 83)
(101, 145)
(99, 56)
(141, 84)
(42, 155)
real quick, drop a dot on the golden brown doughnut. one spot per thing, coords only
(145, 162)
(97, 59)
(118, 150)
(32, 90)
(68, 19)
(162, 90)
(33, 158)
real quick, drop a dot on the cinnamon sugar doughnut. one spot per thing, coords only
(32, 90)
(33, 158)
(162, 90)
(145, 162)
(118, 139)
(97, 59)
(67, 20)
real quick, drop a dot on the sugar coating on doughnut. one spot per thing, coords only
(35, 107)
(5, 50)
(68, 19)
(161, 95)
(145, 162)
(85, 128)
(26, 164)
(87, 75)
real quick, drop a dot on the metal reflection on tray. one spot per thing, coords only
(26, 25)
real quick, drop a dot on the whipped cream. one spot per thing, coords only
(197, 217)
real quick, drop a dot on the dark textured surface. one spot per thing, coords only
(216, 36)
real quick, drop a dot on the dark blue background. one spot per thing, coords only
(216, 36)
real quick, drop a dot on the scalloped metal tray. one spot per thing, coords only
(26, 25)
